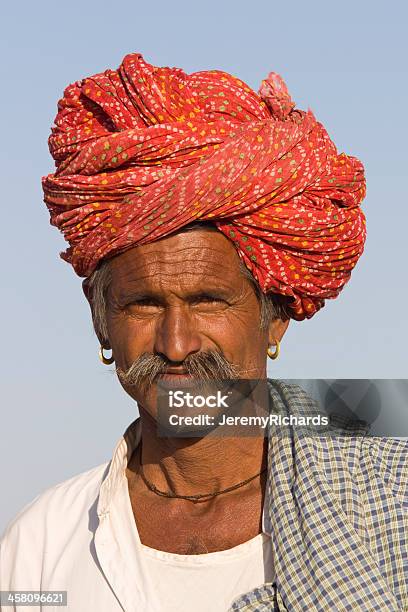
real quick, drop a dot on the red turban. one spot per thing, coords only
(142, 151)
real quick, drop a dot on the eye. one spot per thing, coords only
(142, 305)
(142, 302)
(209, 300)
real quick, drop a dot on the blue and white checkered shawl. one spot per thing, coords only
(337, 516)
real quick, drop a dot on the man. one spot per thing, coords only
(286, 522)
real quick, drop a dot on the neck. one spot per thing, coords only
(200, 465)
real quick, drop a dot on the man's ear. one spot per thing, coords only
(277, 329)
(87, 289)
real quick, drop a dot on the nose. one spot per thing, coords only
(176, 336)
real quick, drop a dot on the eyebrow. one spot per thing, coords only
(217, 292)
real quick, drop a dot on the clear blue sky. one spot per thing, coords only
(62, 411)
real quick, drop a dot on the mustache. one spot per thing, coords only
(205, 365)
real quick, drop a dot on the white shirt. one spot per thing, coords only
(80, 536)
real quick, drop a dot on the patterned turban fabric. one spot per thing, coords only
(142, 151)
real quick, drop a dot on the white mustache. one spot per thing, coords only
(207, 365)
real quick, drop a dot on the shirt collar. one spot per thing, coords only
(118, 464)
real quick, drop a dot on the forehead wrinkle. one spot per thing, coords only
(151, 268)
(158, 265)
(181, 255)
(220, 246)
(191, 267)
(159, 280)
(188, 282)
(144, 272)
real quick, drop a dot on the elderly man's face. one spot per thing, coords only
(180, 296)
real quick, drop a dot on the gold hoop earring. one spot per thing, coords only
(105, 360)
(274, 355)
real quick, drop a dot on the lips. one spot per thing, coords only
(178, 378)
(175, 375)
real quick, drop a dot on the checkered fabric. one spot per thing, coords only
(338, 518)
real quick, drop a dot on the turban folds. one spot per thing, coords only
(142, 151)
